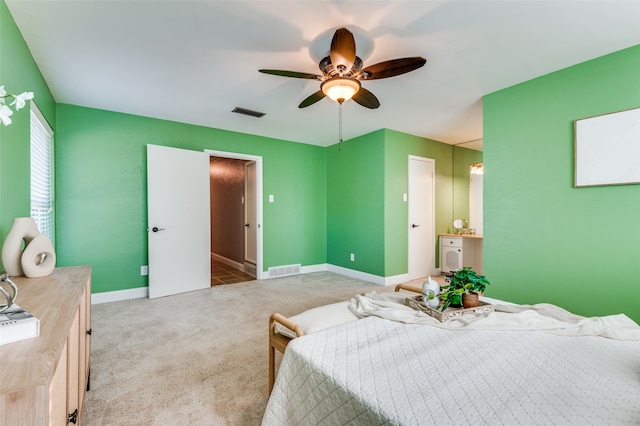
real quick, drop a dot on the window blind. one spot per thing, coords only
(42, 173)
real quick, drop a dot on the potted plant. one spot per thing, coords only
(464, 290)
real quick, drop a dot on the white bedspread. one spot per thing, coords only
(507, 316)
(378, 372)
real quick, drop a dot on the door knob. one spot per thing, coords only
(156, 229)
(246, 224)
(413, 225)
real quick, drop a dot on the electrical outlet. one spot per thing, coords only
(144, 270)
(353, 257)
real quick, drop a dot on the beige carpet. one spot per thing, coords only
(198, 358)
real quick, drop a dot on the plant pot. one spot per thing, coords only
(470, 300)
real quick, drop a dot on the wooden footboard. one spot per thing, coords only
(278, 341)
(408, 287)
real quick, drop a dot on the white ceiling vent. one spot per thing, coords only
(249, 112)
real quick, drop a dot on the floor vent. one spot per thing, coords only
(249, 112)
(283, 271)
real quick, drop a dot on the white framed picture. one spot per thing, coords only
(607, 149)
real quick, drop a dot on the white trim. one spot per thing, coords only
(322, 267)
(351, 273)
(396, 279)
(143, 292)
(118, 295)
(258, 160)
(237, 265)
(36, 111)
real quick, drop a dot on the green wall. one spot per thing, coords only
(398, 147)
(18, 73)
(366, 213)
(329, 203)
(101, 180)
(355, 203)
(546, 241)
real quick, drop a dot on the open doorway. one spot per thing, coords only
(235, 216)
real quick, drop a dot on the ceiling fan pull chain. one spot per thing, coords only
(340, 126)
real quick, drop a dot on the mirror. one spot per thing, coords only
(466, 186)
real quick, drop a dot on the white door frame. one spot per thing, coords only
(258, 160)
(432, 243)
(250, 219)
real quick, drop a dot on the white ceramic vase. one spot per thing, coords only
(430, 288)
(36, 258)
(23, 230)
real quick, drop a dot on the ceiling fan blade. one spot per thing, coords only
(391, 68)
(366, 99)
(315, 97)
(343, 50)
(293, 74)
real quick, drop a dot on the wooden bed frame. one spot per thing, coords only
(279, 342)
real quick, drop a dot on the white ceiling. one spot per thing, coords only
(194, 61)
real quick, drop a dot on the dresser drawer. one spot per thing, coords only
(451, 242)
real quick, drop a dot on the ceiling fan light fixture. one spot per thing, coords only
(340, 89)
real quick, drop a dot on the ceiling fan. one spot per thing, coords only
(342, 72)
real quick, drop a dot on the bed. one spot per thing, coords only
(376, 371)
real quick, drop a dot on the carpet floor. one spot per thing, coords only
(198, 358)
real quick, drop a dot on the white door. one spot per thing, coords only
(178, 220)
(251, 222)
(422, 253)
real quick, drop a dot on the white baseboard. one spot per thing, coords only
(322, 267)
(142, 292)
(396, 279)
(229, 262)
(118, 295)
(351, 273)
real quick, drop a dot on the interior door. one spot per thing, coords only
(422, 253)
(178, 220)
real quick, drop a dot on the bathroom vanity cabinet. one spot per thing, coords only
(457, 251)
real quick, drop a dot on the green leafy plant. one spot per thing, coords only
(465, 280)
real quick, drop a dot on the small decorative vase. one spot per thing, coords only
(432, 302)
(38, 258)
(23, 229)
(470, 300)
(432, 285)
(430, 292)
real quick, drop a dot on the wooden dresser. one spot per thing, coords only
(43, 379)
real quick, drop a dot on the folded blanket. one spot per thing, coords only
(506, 317)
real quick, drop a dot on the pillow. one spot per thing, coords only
(319, 318)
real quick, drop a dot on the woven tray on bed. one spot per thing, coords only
(416, 303)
